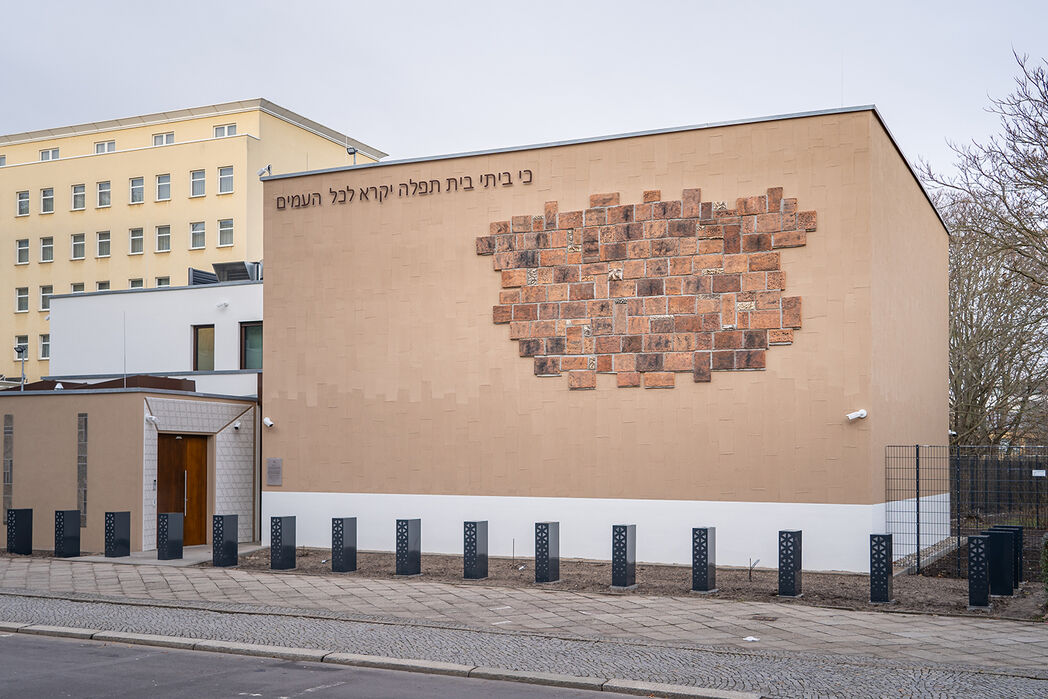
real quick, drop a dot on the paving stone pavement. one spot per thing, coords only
(686, 639)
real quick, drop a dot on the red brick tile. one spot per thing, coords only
(691, 203)
(764, 261)
(752, 205)
(557, 292)
(501, 314)
(681, 305)
(656, 268)
(789, 239)
(628, 379)
(658, 379)
(780, 337)
(791, 312)
(651, 195)
(514, 277)
(620, 214)
(765, 319)
(674, 286)
(726, 283)
(774, 198)
(547, 366)
(749, 359)
(723, 360)
(806, 220)
(604, 199)
(776, 280)
(666, 209)
(596, 217)
(581, 380)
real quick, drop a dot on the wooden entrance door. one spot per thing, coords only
(181, 482)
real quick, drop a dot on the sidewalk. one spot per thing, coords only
(643, 630)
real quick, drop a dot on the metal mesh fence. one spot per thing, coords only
(937, 495)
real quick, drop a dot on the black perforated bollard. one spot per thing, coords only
(170, 528)
(881, 572)
(225, 551)
(118, 534)
(790, 563)
(409, 547)
(1000, 553)
(20, 531)
(978, 573)
(623, 555)
(475, 550)
(282, 543)
(1018, 550)
(547, 552)
(67, 533)
(704, 559)
(343, 544)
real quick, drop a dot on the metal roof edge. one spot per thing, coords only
(164, 391)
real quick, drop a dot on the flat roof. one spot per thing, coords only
(164, 391)
(633, 134)
(155, 289)
(194, 113)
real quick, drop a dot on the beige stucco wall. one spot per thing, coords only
(385, 373)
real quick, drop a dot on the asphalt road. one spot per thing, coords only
(36, 666)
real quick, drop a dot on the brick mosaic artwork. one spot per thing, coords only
(646, 291)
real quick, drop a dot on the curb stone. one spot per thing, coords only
(648, 689)
(546, 678)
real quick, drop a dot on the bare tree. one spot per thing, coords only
(998, 334)
(1005, 180)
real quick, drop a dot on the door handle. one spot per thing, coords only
(185, 493)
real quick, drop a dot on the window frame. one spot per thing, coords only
(222, 229)
(107, 147)
(226, 133)
(131, 237)
(52, 154)
(166, 282)
(20, 342)
(21, 299)
(73, 242)
(20, 199)
(49, 246)
(167, 184)
(221, 177)
(193, 180)
(108, 240)
(196, 345)
(73, 194)
(22, 246)
(45, 298)
(244, 325)
(140, 285)
(166, 138)
(107, 189)
(157, 239)
(141, 190)
(47, 201)
(73, 288)
(193, 231)
(44, 347)
(99, 287)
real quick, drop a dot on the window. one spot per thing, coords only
(196, 183)
(47, 200)
(102, 286)
(225, 180)
(225, 232)
(45, 297)
(136, 240)
(23, 342)
(138, 190)
(76, 288)
(103, 194)
(105, 147)
(79, 246)
(163, 281)
(163, 238)
(47, 249)
(22, 251)
(164, 139)
(79, 197)
(3, 160)
(225, 130)
(102, 244)
(22, 299)
(45, 346)
(49, 154)
(251, 345)
(203, 348)
(134, 284)
(163, 187)
(196, 236)
(22, 207)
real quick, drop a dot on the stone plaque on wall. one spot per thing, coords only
(274, 471)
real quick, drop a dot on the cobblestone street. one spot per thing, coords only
(682, 640)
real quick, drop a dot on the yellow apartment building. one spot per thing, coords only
(136, 202)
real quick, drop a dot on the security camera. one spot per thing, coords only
(153, 419)
(857, 415)
(267, 422)
(236, 425)
(267, 170)
(350, 150)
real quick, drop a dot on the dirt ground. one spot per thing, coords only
(913, 593)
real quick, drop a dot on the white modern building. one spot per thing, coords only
(210, 333)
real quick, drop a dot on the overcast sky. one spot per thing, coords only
(426, 78)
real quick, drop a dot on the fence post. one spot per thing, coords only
(917, 463)
(955, 497)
